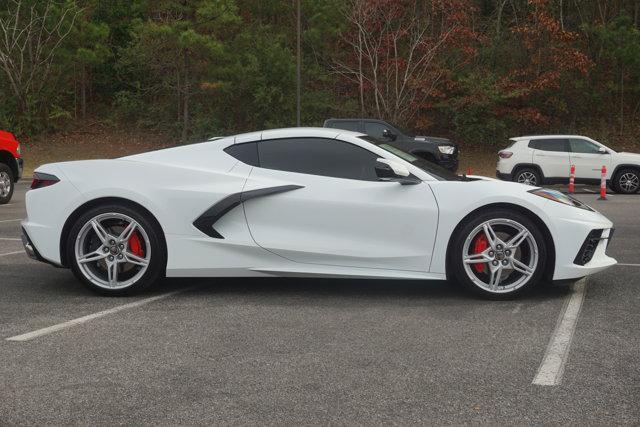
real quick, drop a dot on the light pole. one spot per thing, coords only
(298, 69)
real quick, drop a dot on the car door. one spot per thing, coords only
(552, 155)
(588, 159)
(335, 211)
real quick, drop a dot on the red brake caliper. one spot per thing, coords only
(135, 245)
(479, 245)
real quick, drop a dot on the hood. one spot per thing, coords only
(628, 156)
(434, 140)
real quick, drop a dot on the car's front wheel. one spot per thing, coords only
(6, 184)
(626, 181)
(116, 250)
(498, 254)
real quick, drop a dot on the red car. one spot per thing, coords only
(10, 165)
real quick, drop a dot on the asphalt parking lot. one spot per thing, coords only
(288, 351)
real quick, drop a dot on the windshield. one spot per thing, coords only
(432, 169)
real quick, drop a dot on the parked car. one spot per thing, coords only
(440, 151)
(10, 165)
(547, 159)
(304, 202)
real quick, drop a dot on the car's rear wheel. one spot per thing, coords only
(528, 176)
(6, 184)
(116, 250)
(498, 254)
(626, 181)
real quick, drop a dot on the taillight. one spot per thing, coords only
(43, 180)
(505, 154)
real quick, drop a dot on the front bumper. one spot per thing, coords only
(20, 163)
(448, 162)
(504, 176)
(589, 258)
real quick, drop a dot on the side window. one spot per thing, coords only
(346, 125)
(246, 153)
(318, 156)
(549, 144)
(583, 146)
(375, 129)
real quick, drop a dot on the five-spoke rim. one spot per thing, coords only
(629, 182)
(106, 253)
(528, 178)
(5, 184)
(510, 259)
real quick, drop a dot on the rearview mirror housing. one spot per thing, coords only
(602, 150)
(387, 134)
(390, 170)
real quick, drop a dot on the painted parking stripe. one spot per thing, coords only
(11, 253)
(555, 358)
(10, 220)
(11, 239)
(628, 265)
(84, 319)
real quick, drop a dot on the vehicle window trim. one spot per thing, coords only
(585, 140)
(317, 137)
(565, 145)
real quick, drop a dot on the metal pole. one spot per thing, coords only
(298, 68)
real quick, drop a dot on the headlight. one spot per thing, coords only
(559, 197)
(19, 150)
(446, 149)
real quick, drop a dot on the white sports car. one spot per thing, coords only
(304, 202)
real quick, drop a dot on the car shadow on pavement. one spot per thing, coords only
(348, 288)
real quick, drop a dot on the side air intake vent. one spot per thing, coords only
(588, 248)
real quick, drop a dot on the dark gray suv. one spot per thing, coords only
(440, 151)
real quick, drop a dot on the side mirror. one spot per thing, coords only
(387, 134)
(390, 170)
(602, 150)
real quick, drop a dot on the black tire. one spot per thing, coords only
(157, 264)
(620, 182)
(456, 264)
(532, 174)
(5, 172)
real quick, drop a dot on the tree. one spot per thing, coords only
(402, 51)
(31, 32)
(175, 49)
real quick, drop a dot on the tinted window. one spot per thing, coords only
(318, 156)
(583, 146)
(246, 153)
(346, 125)
(434, 170)
(549, 144)
(375, 129)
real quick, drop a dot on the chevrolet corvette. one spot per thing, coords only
(304, 202)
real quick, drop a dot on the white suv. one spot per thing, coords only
(547, 159)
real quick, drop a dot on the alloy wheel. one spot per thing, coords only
(509, 260)
(112, 251)
(5, 184)
(629, 182)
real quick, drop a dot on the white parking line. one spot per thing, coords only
(12, 253)
(10, 220)
(628, 265)
(12, 239)
(7, 204)
(80, 320)
(552, 366)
